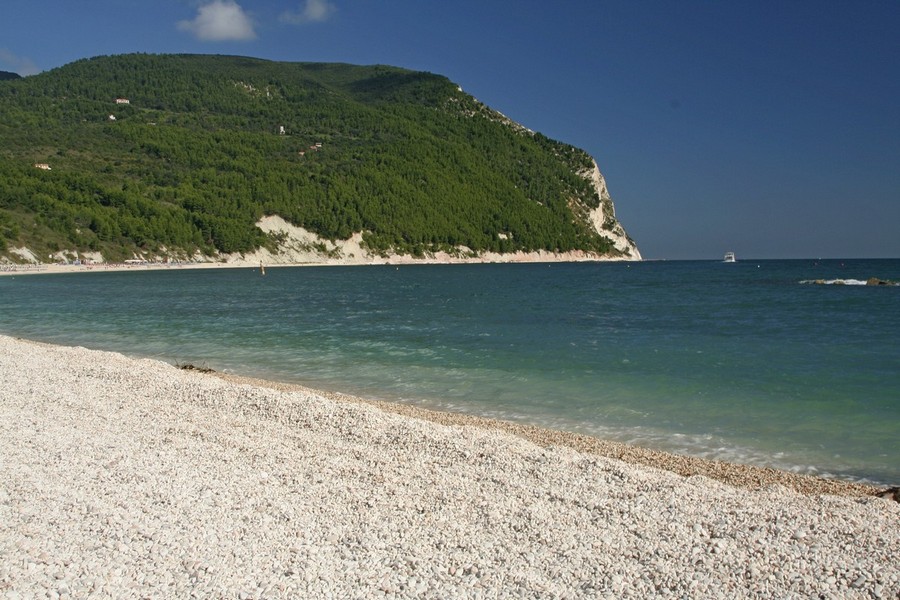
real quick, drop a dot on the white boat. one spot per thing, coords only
(729, 257)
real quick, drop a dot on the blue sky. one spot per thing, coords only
(770, 128)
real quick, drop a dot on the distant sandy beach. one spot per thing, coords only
(291, 261)
(131, 478)
(55, 268)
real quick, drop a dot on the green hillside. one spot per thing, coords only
(207, 145)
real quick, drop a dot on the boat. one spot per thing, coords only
(729, 257)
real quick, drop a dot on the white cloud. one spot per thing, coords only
(220, 20)
(314, 11)
(17, 64)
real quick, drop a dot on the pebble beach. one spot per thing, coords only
(131, 478)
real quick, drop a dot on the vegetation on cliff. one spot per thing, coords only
(181, 154)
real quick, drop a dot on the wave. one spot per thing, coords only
(870, 281)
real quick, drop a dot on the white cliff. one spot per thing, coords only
(603, 218)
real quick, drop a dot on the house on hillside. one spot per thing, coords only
(123, 101)
(43, 166)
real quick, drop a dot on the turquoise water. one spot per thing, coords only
(741, 362)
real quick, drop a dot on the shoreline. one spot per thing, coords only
(57, 269)
(274, 262)
(133, 478)
(733, 474)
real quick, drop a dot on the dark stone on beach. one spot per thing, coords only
(890, 494)
(190, 367)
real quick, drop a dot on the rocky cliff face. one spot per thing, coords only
(603, 218)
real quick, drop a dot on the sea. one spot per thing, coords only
(793, 364)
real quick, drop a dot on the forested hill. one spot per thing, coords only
(175, 155)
